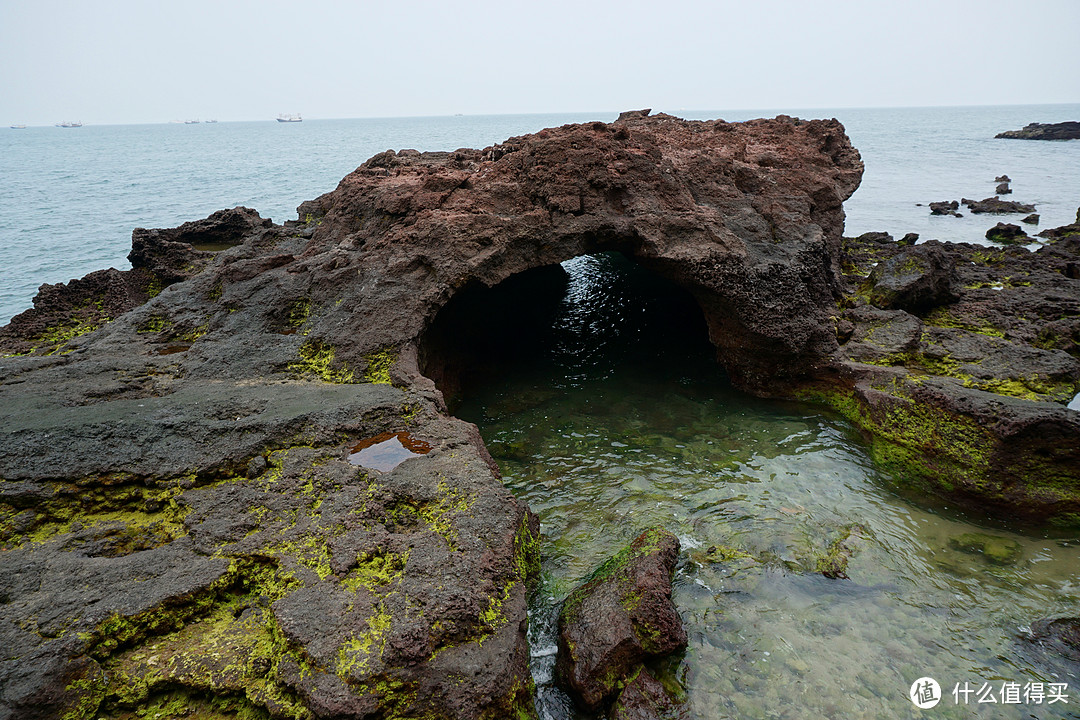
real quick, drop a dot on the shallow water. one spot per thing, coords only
(607, 435)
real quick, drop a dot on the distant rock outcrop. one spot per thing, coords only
(997, 206)
(1007, 233)
(1044, 131)
(945, 208)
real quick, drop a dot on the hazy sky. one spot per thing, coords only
(127, 61)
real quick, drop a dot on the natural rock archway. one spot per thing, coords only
(188, 463)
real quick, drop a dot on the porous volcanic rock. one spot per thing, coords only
(644, 698)
(967, 399)
(622, 616)
(187, 463)
(1044, 131)
(914, 280)
(200, 440)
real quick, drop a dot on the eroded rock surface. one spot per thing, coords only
(966, 398)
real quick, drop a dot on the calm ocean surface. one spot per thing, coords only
(69, 198)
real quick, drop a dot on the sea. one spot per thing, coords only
(70, 197)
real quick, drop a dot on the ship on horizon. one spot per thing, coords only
(69, 123)
(290, 118)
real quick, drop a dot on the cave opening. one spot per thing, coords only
(589, 318)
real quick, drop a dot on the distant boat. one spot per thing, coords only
(70, 123)
(191, 122)
(209, 121)
(290, 118)
(18, 127)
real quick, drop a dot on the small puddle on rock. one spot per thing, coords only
(386, 451)
(212, 246)
(173, 349)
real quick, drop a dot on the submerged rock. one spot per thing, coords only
(1060, 635)
(995, 549)
(618, 619)
(834, 563)
(1044, 131)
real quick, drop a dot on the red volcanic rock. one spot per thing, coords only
(622, 616)
(747, 216)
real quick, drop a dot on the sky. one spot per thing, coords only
(128, 61)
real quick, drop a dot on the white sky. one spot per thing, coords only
(130, 61)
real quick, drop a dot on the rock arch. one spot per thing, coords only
(747, 217)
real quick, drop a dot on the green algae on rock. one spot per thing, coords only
(620, 617)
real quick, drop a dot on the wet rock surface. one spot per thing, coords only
(200, 439)
(622, 616)
(644, 698)
(987, 374)
(1065, 231)
(1044, 131)
(158, 258)
(1007, 233)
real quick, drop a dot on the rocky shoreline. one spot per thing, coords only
(182, 518)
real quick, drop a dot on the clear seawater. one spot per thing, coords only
(622, 425)
(69, 198)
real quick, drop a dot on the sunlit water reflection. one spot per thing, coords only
(624, 425)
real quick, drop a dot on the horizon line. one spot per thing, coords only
(564, 112)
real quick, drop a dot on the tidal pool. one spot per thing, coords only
(626, 422)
